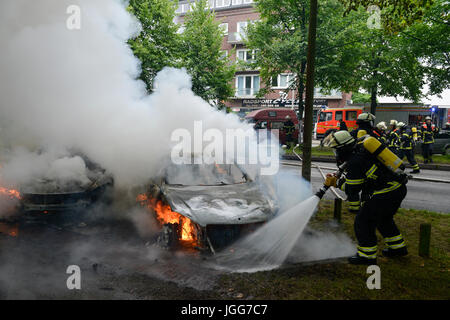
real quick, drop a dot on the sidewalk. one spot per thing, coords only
(331, 159)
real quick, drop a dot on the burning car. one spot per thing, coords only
(70, 183)
(208, 206)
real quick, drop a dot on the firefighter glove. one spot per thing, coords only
(330, 181)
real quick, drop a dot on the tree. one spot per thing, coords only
(157, 46)
(280, 38)
(400, 59)
(358, 97)
(429, 41)
(386, 67)
(212, 72)
(310, 62)
(395, 15)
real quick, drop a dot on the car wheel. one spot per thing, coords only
(447, 151)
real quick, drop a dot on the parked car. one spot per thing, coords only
(441, 143)
(273, 118)
(47, 196)
(208, 206)
(328, 120)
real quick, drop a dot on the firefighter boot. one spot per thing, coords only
(357, 259)
(390, 253)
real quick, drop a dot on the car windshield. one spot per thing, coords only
(204, 174)
(325, 116)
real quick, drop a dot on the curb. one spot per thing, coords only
(427, 166)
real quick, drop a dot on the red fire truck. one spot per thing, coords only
(328, 120)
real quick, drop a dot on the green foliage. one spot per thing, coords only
(400, 64)
(158, 43)
(386, 67)
(281, 37)
(395, 15)
(201, 55)
(358, 97)
(430, 41)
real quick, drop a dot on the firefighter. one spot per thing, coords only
(407, 145)
(365, 123)
(428, 132)
(393, 137)
(381, 195)
(343, 125)
(381, 129)
(289, 128)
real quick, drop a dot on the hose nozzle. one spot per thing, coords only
(322, 191)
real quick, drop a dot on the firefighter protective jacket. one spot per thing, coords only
(406, 140)
(365, 175)
(289, 127)
(428, 132)
(393, 139)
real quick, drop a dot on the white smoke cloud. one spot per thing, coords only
(64, 89)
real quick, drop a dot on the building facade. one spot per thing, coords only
(234, 16)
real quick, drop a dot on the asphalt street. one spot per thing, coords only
(422, 195)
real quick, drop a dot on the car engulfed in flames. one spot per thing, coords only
(47, 196)
(207, 207)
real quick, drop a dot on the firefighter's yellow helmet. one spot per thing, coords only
(338, 139)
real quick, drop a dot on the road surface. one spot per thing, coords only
(421, 195)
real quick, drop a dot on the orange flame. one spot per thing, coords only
(164, 215)
(11, 230)
(10, 193)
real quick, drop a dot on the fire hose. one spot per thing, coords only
(324, 188)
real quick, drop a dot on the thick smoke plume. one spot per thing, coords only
(64, 89)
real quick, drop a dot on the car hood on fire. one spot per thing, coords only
(224, 204)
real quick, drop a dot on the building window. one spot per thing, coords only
(238, 2)
(246, 55)
(224, 27)
(318, 92)
(282, 81)
(277, 125)
(222, 3)
(241, 30)
(211, 3)
(247, 85)
(223, 54)
(351, 115)
(184, 7)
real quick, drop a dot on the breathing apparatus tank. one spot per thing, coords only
(384, 155)
(414, 133)
(361, 133)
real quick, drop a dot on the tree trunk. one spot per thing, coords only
(373, 100)
(301, 89)
(309, 101)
